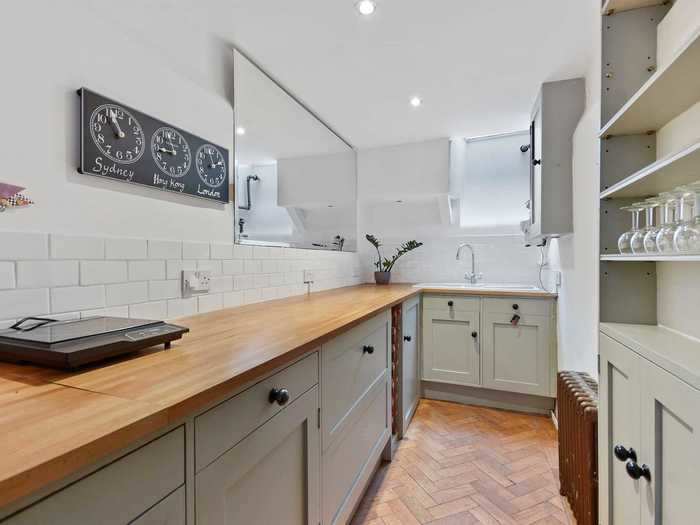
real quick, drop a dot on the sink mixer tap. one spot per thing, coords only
(473, 277)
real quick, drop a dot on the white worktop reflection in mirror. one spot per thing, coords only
(300, 177)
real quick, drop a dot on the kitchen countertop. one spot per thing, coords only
(55, 423)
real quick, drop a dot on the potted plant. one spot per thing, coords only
(384, 265)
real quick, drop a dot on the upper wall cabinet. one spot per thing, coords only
(296, 182)
(556, 114)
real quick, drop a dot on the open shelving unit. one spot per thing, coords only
(617, 6)
(650, 258)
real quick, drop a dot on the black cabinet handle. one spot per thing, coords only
(474, 335)
(536, 162)
(407, 338)
(279, 396)
(623, 454)
(368, 349)
(450, 303)
(516, 307)
(635, 472)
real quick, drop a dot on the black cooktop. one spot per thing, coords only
(74, 343)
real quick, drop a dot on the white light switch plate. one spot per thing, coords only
(195, 282)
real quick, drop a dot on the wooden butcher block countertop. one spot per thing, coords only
(53, 423)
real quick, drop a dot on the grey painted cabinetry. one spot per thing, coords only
(648, 409)
(410, 362)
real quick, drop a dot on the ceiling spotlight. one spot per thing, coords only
(416, 102)
(240, 130)
(366, 7)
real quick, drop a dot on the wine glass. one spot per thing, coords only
(687, 236)
(664, 239)
(652, 230)
(637, 240)
(624, 243)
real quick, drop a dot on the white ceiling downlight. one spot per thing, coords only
(416, 101)
(240, 130)
(366, 7)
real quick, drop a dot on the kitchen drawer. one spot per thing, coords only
(348, 370)
(344, 462)
(171, 511)
(220, 428)
(460, 303)
(524, 306)
(119, 492)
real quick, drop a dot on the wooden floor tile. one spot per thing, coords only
(466, 465)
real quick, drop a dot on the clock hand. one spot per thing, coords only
(115, 124)
(171, 151)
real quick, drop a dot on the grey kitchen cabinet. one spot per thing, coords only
(271, 476)
(410, 362)
(451, 340)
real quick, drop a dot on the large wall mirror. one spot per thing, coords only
(295, 180)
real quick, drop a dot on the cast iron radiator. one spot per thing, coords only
(577, 410)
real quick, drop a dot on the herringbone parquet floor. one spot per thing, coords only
(469, 465)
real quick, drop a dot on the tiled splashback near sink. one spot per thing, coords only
(69, 277)
(500, 258)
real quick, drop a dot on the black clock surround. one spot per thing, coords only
(120, 143)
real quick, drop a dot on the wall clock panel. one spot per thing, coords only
(120, 143)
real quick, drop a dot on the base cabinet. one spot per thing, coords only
(645, 408)
(272, 476)
(410, 362)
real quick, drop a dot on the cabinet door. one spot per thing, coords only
(409, 363)
(272, 476)
(516, 358)
(670, 416)
(618, 424)
(450, 351)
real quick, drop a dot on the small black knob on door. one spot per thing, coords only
(279, 396)
(516, 307)
(536, 162)
(623, 454)
(474, 335)
(407, 338)
(635, 472)
(368, 349)
(450, 303)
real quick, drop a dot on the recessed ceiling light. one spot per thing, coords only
(240, 130)
(416, 101)
(366, 7)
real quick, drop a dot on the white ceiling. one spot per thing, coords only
(476, 63)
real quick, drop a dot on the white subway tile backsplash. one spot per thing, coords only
(221, 283)
(232, 267)
(7, 275)
(182, 307)
(276, 279)
(76, 247)
(46, 274)
(21, 303)
(164, 249)
(113, 311)
(22, 246)
(252, 296)
(212, 266)
(175, 268)
(146, 270)
(252, 266)
(102, 272)
(72, 298)
(242, 252)
(195, 250)
(126, 293)
(243, 282)
(6, 323)
(159, 290)
(261, 280)
(153, 310)
(221, 251)
(270, 266)
(232, 299)
(268, 294)
(126, 249)
(209, 303)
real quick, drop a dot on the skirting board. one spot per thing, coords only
(468, 395)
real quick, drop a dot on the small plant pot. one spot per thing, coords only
(382, 277)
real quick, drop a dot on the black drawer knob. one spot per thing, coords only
(623, 454)
(279, 396)
(368, 349)
(516, 307)
(474, 335)
(635, 472)
(450, 303)
(407, 338)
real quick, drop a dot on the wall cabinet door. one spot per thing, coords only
(410, 373)
(516, 358)
(670, 418)
(618, 424)
(272, 476)
(451, 346)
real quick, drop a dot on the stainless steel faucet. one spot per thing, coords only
(473, 277)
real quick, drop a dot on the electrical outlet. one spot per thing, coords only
(308, 276)
(195, 282)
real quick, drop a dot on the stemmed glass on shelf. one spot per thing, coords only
(687, 235)
(664, 239)
(624, 243)
(637, 240)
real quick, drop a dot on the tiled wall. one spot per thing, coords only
(69, 277)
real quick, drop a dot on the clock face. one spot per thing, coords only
(117, 134)
(171, 152)
(211, 167)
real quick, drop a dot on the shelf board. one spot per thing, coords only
(674, 352)
(668, 93)
(651, 258)
(618, 6)
(665, 174)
